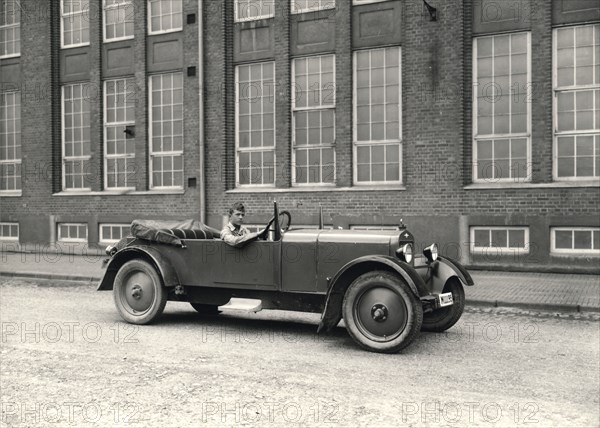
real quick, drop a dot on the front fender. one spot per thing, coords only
(332, 314)
(441, 271)
(150, 254)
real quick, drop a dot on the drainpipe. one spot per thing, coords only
(201, 180)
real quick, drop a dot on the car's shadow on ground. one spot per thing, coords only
(268, 324)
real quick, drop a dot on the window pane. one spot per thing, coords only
(582, 240)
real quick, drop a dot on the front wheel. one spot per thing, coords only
(443, 318)
(139, 294)
(381, 312)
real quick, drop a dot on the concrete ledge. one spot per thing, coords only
(533, 306)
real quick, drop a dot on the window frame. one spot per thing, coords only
(528, 135)
(17, 25)
(83, 13)
(356, 143)
(573, 251)
(101, 237)
(149, 17)
(10, 225)
(17, 162)
(173, 153)
(59, 237)
(62, 136)
(556, 134)
(254, 18)
(323, 5)
(126, 123)
(322, 107)
(104, 20)
(237, 124)
(504, 251)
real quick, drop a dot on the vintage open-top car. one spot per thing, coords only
(385, 293)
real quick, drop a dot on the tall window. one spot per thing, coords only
(502, 112)
(76, 137)
(118, 20)
(119, 145)
(165, 16)
(75, 23)
(247, 10)
(166, 131)
(577, 102)
(313, 110)
(255, 124)
(10, 28)
(377, 116)
(10, 141)
(301, 6)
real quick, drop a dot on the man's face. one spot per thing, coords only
(237, 218)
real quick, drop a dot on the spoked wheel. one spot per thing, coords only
(139, 294)
(208, 310)
(381, 312)
(443, 318)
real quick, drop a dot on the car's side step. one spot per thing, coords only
(248, 305)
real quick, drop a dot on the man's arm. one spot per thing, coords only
(237, 241)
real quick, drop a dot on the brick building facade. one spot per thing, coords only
(479, 129)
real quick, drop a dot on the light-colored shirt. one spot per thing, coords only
(234, 236)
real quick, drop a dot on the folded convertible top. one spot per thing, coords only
(172, 232)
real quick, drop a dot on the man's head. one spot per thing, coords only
(237, 213)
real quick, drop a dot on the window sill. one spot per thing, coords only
(553, 185)
(10, 194)
(120, 193)
(318, 189)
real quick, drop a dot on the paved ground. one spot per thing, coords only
(540, 291)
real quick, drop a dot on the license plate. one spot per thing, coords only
(445, 299)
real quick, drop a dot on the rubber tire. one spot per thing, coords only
(444, 318)
(157, 307)
(208, 310)
(396, 284)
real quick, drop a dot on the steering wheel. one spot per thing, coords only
(285, 221)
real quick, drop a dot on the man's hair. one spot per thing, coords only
(238, 206)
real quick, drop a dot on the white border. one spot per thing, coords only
(372, 143)
(503, 251)
(527, 135)
(116, 39)
(106, 124)
(62, 34)
(172, 153)
(171, 30)
(10, 238)
(61, 239)
(572, 251)
(323, 5)
(254, 18)
(101, 239)
(555, 91)
(332, 106)
(236, 129)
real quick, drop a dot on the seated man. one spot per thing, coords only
(235, 234)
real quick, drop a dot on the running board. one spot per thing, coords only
(238, 304)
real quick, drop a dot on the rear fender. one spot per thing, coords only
(332, 314)
(441, 271)
(149, 254)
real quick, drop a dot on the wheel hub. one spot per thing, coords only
(136, 292)
(379, 312)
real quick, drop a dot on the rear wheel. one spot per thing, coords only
(443, 318)
(139, 293)
(381, 312)
(204, 309)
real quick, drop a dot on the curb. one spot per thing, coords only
(534, 306)
(469, 302)
(50, 276)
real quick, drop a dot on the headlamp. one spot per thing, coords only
(431, 253)
(405, 253)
